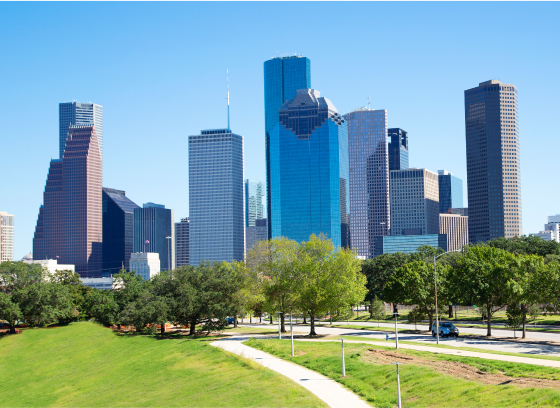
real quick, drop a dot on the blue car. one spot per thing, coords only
(230, 320)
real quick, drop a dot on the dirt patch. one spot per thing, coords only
(458, 369)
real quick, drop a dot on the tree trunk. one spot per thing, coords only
(250, 319)
(431, 318)
(282, 327)
(271, 319)
(235, 322)
(304, 319)
(524, 309)
(489, 328)
(193, 327)
(13, 328)
(260, 318)
(312, 323)
(395, 308)
(450, 311)
(370, 309)
(162, 330)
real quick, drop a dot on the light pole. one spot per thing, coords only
(168, 254)
(279, 327)
(292, 333)
(398, 385)
(435, 288)
(396, 332)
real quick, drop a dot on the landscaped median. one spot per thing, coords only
(427, 379)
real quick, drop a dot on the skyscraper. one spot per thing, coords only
(493, 162)
(456, 228)
(398, 149)
(369, 178)
(75, 113)
(309, 170)
(153, 224)
(256, 234)
(254, 207)
(450, 192)
(182, 242)
(6, 237)
(145, 264)
(217, 216)
(283, 76)
(69, 226)
(118, 231)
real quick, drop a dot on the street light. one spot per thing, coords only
(168, 254)
(435, 287)
(292, 333)
(396, 331)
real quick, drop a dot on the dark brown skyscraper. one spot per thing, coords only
(69, 227)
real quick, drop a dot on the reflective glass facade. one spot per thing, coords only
(154, 223)
(75, 113)
(283, 76)
(369, 178)
(216, 204)
(450, 192)
(493, 161)
(255, 204)
(408, 243)
(309, 170)
(398, 149)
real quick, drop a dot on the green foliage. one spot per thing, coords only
(9, 311)
(534, 311)
(416, 316)
(101, 305)
(514, 315)
(379, 270)
(377, 311)
(527, 245)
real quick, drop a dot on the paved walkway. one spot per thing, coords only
(331, 392)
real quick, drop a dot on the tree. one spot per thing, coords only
(514, 315)
(146, 312)
(43, 303)
(377, 310)
(534, 311)
(78, 291)
(416, 315)
(379, 270)
(527, 245)
(481, 277)
(101, 305)
(328, 278)
(9, 311)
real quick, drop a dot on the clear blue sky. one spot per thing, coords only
(158, 69)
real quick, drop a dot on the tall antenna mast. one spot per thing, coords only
(368, 104)
(227, 75)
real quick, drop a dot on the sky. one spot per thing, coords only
(159, 71)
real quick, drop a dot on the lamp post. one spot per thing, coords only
(435, 288)
(292, 333)
(398, 385)
(168, 254)
(396, 332)
(279, 327)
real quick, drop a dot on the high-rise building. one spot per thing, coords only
(414, 202)
(456, 228)
(6, 237)
(182, 242)
(283, 76)
(255, 208)
(147, 265)
(309, 170)
(118, 231)
(450, 192)
(217, 216)
(154, 232)
(257, 233)
(398, 149)
(70, 225)
(369, 178)
(75, 113)
(493, 161)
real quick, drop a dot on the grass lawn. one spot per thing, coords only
(423, 382)
(86, 365)
(258, 330)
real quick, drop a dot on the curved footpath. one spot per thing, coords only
(331, 392)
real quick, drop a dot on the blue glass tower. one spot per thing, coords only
(398, 149)
(283, 76)
(309, 170)
(450, 192)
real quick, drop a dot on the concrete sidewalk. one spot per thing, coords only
(331, 392)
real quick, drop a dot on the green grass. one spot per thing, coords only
(86, 365)
(257, 330)
(421, 386)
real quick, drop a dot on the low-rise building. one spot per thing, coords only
(98, 283)
(51, 265)
(145, 264)
(551, 229)
(407, 244)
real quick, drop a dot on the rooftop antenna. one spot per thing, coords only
(227, 76)
(368, 104)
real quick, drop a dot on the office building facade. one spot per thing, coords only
(51, 266)
(75, 113)
(6, 237)
(216, 205)
(408, 243)
(369, 178)
(309, 171)
(118, 231)
(398, 149)
(255, 202)
(256, 234)
(414, 202)
(456, 228)
(283, 76)
(450, 192)
(70, 223)
(145, 264)
(182, 242)
(551, 230)
(493, 161)
(154, 233)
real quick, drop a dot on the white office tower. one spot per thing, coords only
(551, 230)
(6, 237)
(145, 264)
(368, 158)
(51, 266)
(75, 113)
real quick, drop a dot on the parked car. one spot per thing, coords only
(230, 320)
(445, 330)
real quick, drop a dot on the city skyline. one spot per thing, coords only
(133, 115)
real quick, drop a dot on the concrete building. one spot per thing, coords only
(6, 237)
(460, 211)
(369, 178)
(493, 161)
(70, 224)
(216, 205)
(257, 233)
(118, 231)
(450, 192)
(456, 227)
(414, 202)
(182, 242)
(51, 265)
(408, 243)
(76, 113)
(153, 224)
(398, 149)
(145, 264)
(551, 229)
(98, 283)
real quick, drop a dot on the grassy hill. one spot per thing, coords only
(86, 365)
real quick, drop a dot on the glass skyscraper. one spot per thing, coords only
(75, 113)
(255, 209)
(153, 223)
(450, 192)
(182, 242)
(369, 178)
(493, 161)
(309, 170)
(216, 213)
(283, 76)
(398, 149)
